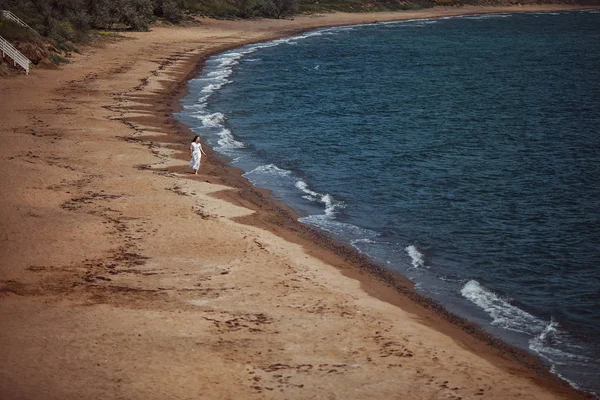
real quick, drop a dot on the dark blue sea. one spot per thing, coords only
(463, 153)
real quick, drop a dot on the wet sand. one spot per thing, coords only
(123, 275)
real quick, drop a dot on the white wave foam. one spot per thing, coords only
(269, 169)
(350, 232)
(218, 74)
(327, 221)
(343, 28)
(320, 32)
(485, 16)
(427, 22)
(452, 279)
(416, 258)
(369, 241)
(229, 58)
(218, 70)
(227, 141)
(211, 88)
(551, 329)
(570, 382)
(193, 107)
(547, 339)
(202, 101)
(545, 13)
(548, 342)
(331, 205)
(291, 40)
(312, 196)
(504, 314)
(403, 22)
(213, 120)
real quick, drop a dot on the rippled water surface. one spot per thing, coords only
(462, 152)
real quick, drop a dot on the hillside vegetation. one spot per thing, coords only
(63, 24)
(72, 19)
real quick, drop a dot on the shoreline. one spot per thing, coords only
(144, 113)
(375, 279)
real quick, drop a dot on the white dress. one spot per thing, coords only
(196, 155)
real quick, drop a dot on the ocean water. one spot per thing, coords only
(463, 153)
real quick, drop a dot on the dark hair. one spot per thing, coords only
(194, 139)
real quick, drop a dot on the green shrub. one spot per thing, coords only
(280, 8)
(136, 14)
(315, 6)
(79, 19)
(215, 9)
(70, 20)
(171, 10)
(415, 6)
(58, 59)
(12, 31)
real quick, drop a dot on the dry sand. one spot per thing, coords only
(124, 276)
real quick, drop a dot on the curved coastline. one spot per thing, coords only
(243, 53)
(121, 317)
(375, 279)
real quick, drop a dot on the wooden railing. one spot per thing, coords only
(8, 49)
(17, 57)
(9, 15)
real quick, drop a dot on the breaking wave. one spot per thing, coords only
(416, 257)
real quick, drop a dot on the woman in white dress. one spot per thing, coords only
(196, 153)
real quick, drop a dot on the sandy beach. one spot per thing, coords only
(123, 275)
